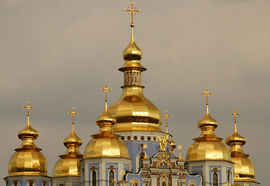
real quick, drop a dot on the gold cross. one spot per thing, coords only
(106, 90)
(167, 116)
(132, 12)
(207, 93)
(73, 113)
(235, 114)
(28, 107)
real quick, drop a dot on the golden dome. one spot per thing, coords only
(27, 160)
(69, 163)
(132, 51)
(207, 120)
(106, 144)
(208, 150)
(208, 146)
(243, 167)
(134, 112)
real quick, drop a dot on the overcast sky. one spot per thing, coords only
(59, 53)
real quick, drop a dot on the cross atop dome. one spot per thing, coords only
(132, 10)
(73, 113)
(235, 115)
(106, 90)
(28, 107)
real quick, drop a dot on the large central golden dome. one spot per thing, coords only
(134, 112)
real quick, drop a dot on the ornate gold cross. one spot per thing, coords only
(167, 116)
(132, 10)
(207, 93)
(73, 113)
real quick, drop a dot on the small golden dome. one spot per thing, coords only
(208, 146)
(72, 138)
(132, 51)
(243, 167)
(207, 120)
(27, 160)
(134, 112)
(106, 144)
(132, 55)
(28, 131)
(236, 138)
(69, 163)
(67, 167)
(208, 150)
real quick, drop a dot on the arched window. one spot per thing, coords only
(111, 178)
(141, 162)
(94, 178)
(163, 183)
(215, 179)
(228, 177)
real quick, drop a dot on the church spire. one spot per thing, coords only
(132, 55)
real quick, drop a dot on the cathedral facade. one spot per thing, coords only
(131, 149)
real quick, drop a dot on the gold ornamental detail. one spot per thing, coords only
(163, 140)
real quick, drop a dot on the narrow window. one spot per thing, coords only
(163, 183)
(94, 177)
(228, 177)
(141, 162)
(111, 178)
(215, 179)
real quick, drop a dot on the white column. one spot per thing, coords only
(206, 174)
(154, 180)
(223, 174)
(102, 174)
(174, 180)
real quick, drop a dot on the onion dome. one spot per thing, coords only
(132, 55)
(133, 111)
(69, 163)
(208, 146)
(106, 144)
(243, 167)
(27, 160)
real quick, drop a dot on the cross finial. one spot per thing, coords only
(73, 113)
(106, 90)
(132, 10)
(28, 107)
(207, 93)
(167, 116)
(235, 114)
